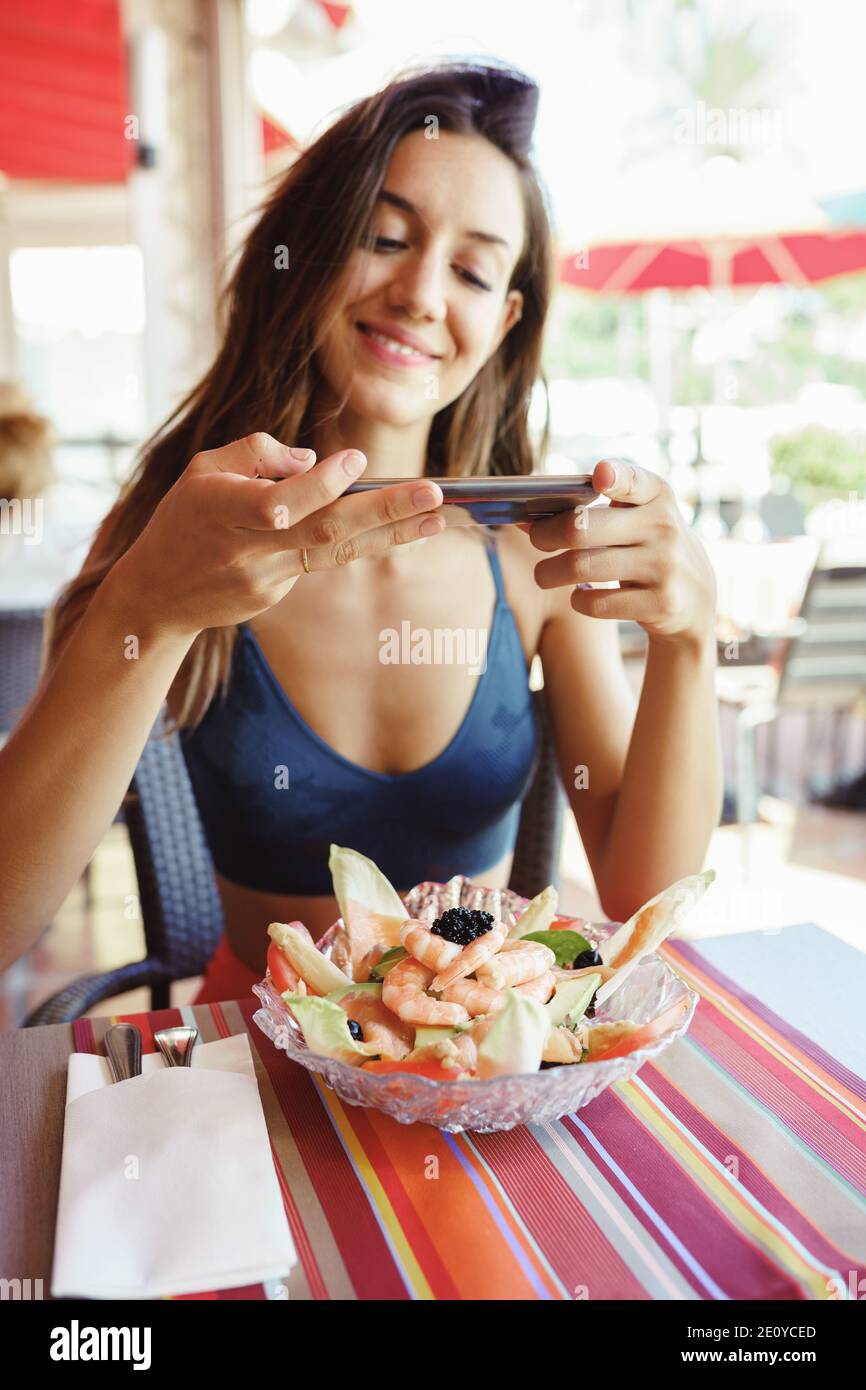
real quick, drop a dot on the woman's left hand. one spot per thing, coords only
(667, 584)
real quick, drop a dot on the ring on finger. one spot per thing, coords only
(304, 560)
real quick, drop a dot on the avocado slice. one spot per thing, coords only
(380, 970)
(571, 999)
(368, 987)
(426, 1037)
(516, 1040)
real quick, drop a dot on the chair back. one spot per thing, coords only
(20, 659)
(539, 833)
(180, 903)
(826, 663)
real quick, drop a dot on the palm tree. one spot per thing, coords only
(707, 56)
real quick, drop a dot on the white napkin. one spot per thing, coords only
(167, 1184)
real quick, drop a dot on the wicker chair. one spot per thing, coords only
(20, 655)
(180, 904)
(821, 668)
(535, 863)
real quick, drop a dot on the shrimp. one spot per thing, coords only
(465, 1054)
(479, 1030)
(477, 999)
(426, 946)
(403, 993)
(366, 963)
(563, 1045)
(341, 955)
(517, 966)
(380, 1026)
(471, 956)
(540, 988)
(465, 1045)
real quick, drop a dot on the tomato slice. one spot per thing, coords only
(281, 970)
(430, 1068)
(646, 1034)
(575, 924)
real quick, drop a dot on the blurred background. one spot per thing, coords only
(706, 169)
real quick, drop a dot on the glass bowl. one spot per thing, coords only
(504, 1101)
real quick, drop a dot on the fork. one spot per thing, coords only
(176, 1045)
(123, 1050)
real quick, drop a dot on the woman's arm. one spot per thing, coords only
(646, 786)
(223, 545)
(67, 765)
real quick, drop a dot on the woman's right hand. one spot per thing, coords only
(225, 542)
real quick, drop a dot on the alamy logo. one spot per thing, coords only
(22, 516)
(713, 125)
(20, 1289)
(438, 646)
(76, 1343)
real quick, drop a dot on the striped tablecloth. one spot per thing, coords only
(732, 1168)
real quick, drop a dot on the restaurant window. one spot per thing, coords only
(79, 320)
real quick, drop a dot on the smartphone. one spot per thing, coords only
(501, 501)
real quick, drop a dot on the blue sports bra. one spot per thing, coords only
(455, 815)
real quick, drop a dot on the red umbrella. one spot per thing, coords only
(794, 258)
(719, 225)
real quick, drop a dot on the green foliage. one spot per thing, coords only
(846, 295)
(581, 339)
(584, 339)
(821, 463)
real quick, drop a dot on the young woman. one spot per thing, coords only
(387, 313)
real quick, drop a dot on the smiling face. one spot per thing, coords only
(424, 301)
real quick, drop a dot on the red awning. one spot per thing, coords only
(274, 137)
(64, 91)
(337, 14)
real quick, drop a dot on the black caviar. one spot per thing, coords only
(462, 925)
(356, 1030)
(586, 958)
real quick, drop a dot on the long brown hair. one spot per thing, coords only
(265, 376)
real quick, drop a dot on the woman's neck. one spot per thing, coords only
(392, 451)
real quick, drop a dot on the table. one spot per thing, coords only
(734, 1167)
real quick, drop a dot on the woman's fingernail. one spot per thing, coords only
(302, 455)
(430, 527)
(354, 463)
(423, 497)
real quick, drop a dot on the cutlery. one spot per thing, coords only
(123, 1050)
(176, 1045)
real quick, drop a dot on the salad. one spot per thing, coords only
(465, 996)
